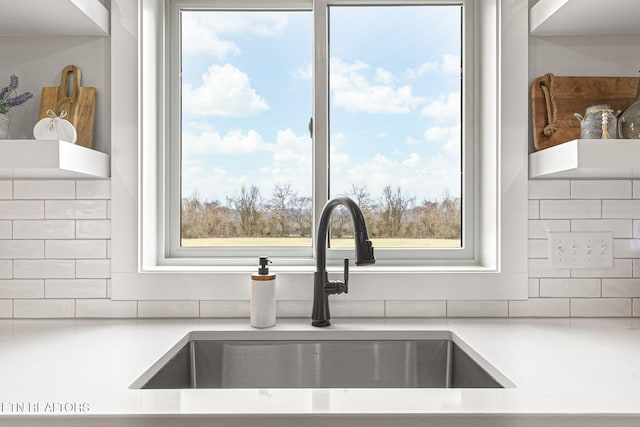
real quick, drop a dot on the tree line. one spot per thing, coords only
(288, 214)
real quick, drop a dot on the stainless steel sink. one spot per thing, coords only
(436, 359)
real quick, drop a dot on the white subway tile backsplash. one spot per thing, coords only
(636, 307)
(570, 209)
(21, 209)
(601, 307)
(636, 189)
(569, 287)
(6, 230)
(349, 308)
(6, 269)
(93, 269)
(626, 248)
(6, 190)
(95, 229)
(6, 309)
(606, 189)
(540, 268)
(540, 307)
(168, 308)
(106, 308)
(621, 228)
(43, 229)
(620, 288)
(43, 308)
(477, 308)
(540, 229)
(621, 268)
(534, 209)
(225, 309)
(538, 248)
(75, 209)
(551, 189)
(93, 189)
(416, 308)
(21, 249)
(21, 288)
(75, 288)
(76, 249)
(534, 288)
(44, 190)
(621, 209)
(44, 269)
(287, 308)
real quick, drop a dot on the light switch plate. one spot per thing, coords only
(581, 250)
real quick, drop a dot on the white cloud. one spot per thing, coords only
(424, 68)
(444, 108)
(303, 72)
(211, 142)
(204, 33)
(225, 91)
(451, 64)
(352, 90)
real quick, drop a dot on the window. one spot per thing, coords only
(388, 130)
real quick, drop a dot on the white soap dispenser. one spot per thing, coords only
(263, 297)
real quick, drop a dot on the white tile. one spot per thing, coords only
(636, 229)
(540, 307)
(540, 268)
(106, 308)
(6, 190)
(21, 209)
(477, 309)
(168, 308)
(538, 248)
(350, 308)
(21, 288)
(601, 307)
(636, 307)
(570, 209)
(607, 189)
(534, 288)
(626, 248)
(98, 229)
(5, 230)
(44, 229)
(44, 269)
(636, 268)
(93, 269)
(621, 268)
(93, 189)
(534, 209)
(621, 228)
(75, 288)
(21, 249)
(636, 189)
(6, 309)
(294, 308)
(225, 309)
(75, 209)
(552, 189)
(76, 249)
(6, 269)
(416, 308)
(540, 229)
(621, 288)
(621, 209)
(44, 190)
(570, 287)
(43, 308)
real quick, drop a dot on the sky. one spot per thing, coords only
(394, 103)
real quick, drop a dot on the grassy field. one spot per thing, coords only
(306, 241)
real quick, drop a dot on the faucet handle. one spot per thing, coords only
(346, 275)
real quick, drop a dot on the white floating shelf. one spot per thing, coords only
(587, 158)
(50, 159)
(584, 17)
(60, 17)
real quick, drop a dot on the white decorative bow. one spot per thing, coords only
(54, 118)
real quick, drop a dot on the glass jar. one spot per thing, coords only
(629, 120)
(598, 123)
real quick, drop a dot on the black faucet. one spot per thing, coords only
(322, 286)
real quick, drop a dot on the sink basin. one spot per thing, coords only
(436, 359)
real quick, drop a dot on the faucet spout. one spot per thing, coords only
(322, 287)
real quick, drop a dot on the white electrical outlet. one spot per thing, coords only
(581, 250)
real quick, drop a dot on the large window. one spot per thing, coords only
(276, 106)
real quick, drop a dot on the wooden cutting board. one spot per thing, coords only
(79, 102)
(569, 95)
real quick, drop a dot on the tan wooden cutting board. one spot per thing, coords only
(573, 94)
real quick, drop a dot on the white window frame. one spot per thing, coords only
(500, 99)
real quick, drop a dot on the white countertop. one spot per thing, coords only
(559, 366)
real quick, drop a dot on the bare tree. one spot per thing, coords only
(393, 206)
(281, 205)
(302, 215)
(248, 206)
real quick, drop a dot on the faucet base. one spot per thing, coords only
(321, 323)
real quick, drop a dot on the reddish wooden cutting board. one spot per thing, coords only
(574, 94)
(79, 102)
